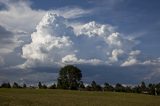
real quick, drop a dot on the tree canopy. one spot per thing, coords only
(69, 77)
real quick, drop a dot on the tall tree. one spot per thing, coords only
(119, 88)
(15, 85)
(39, 85)
(24, 86)
(108, 87)
(143, 86)
(52, 86)
(95, 86)
(69, 77)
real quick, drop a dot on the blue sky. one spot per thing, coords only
(109, 40)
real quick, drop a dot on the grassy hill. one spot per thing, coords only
(48, 97)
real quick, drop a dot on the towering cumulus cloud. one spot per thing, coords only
(50, 42)
(116, 46)
(55, 43)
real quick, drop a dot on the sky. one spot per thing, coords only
(114, 41)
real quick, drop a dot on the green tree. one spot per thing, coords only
(151, 88)
(24, 86)
(69, 77)
(119, 88)
(143, 86)
(40, 85)
(108, 87)
(81, 85)
(44, 86)
(95, 86)
(52, 86)
(6, 85)
(15, 85)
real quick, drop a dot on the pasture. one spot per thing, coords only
(54, 97)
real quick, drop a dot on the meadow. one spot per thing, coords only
(54, 97)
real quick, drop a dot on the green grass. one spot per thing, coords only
(33, 97)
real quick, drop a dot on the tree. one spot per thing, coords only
(15, 85)
(44, 86)
(69, 77)
(52, 86)
(81, 85)
(136, 89)
(119, 88)
(143, 86)
(151, 88)
(24, 86)
(95, 86)
(6, 85)
(108, 87)
(40, 85)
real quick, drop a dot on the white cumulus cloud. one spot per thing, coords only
(130, 61)
(50, 42)
(115, 54)
(92, 29)
(72, 59)
(19, 16)
(56, 41)
(134, 53)
(116, 44)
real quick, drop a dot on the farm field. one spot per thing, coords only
(49, 97)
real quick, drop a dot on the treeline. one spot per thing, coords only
(70, 79)
(152, 89)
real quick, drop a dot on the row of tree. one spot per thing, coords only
(70, 78)
(153, 89)
(15, 85)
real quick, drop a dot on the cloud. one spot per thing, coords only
(135, 53)
(1, 61)
(50, 42)
(115, 54)
(5, 33)
(72, 13)
(72, 59)
(53, 41)
(93, 29)
(8, 41)
(130, 61)
(19, 16)
(37, 39)
(154, 74)
(154, 62)
(13, 17)
(56, 42)
(18, 20)
(116, 44)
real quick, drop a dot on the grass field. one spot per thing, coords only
(42, 97)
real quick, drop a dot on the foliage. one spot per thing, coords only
(108, 87)
(5, 85)
(15, 85)
(69, 77)
(24, 86)
(39, 85)
(95, 86)
(53, 86)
